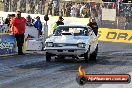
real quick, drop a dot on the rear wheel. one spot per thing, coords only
(48, 57)
(93, 56)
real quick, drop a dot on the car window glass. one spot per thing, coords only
(75, 31)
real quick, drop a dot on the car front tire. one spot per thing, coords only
(86, 56)
(93, 56)
(48, 57)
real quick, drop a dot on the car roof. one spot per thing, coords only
(77, 26)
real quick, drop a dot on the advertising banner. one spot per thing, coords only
(108, 14)
(115, 35)
(7, 44)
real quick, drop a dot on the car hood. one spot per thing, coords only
(68, 39)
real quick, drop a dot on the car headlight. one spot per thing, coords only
(81, 45)
(49, 44)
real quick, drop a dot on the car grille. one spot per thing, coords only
(61, 45)
(66, 50)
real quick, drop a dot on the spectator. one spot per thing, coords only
(11, 27)
(113, 5)
(18, 23)
(92, 23)
(12, 16)
(29, 20)
(1, 22)
(7, 20)
(78, 9)
(61, 12)
(55, 7)
(59, 22)
(50, 7)
(38, 25)
(86, 15)
(81, 10)
(68, 9)
(128, 20)
(74, 10)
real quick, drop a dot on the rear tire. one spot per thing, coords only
(48, 57)
(93, 56)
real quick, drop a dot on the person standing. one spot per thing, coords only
(92, 23)
(38, 25)
(18, 29)
(29, 20)
(7, 20)
(83, 6)
(59, 22)
(128, 20)
(50, 7)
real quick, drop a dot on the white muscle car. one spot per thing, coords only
(73, 41)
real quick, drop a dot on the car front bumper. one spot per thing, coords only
(66, 51)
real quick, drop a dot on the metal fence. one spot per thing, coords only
(32, 6)
(25, 6)
(123, 18)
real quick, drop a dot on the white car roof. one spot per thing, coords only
(83, 26)
(73, 26)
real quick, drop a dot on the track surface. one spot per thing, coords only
(31, 70)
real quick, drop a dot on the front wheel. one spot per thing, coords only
(93, 56)
(87, 56)
(48, 57)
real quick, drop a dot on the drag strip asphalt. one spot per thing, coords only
(32, 71)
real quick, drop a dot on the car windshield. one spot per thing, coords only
(76, 31)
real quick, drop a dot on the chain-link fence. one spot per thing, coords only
(32, 6)
(108, 15)
(123, 16)
(25, 6)
(121, 11)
